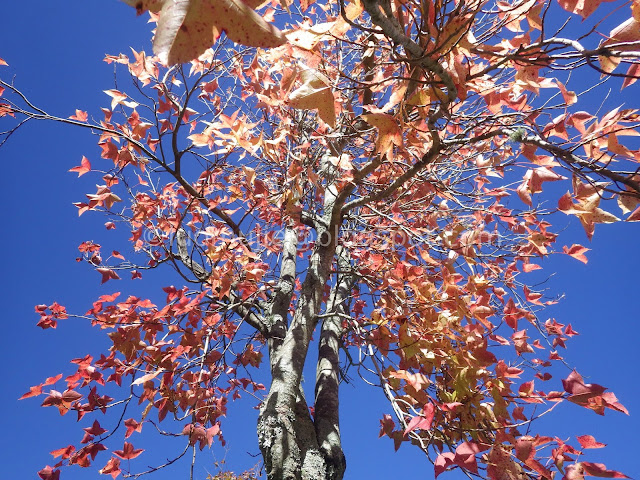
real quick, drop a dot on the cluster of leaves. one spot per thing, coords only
(412, 139)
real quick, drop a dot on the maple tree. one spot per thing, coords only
(375, 174)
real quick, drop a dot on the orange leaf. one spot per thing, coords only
(389, 132)
(635, 10)
(315, 93)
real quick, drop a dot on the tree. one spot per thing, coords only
(373, 176)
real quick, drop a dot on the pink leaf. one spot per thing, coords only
(587, 441)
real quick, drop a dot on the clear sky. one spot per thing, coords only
(55, 51)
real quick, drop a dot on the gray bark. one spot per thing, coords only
(294, 446)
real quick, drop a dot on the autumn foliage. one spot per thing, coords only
(377, 181)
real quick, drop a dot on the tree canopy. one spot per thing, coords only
(367, 185)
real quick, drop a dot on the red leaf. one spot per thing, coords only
(128, 452)
(530, 267)
(599, 470)
(61, 400)
(450, 406)
(95, 429)
(581, 392)
(52, 380)
(65, 452)
(33, 392)
(48, 473)
(413, 424)
(632, 75)
(577, 252)
(443, 462)
(386, 425)
(611, 401)
(587, 441)
(112, 467)
(525, 448)
(107, 274)
(421, 422)
(132, 426)
(84, 167)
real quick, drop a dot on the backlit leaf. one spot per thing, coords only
(187, 28)
(315, 94)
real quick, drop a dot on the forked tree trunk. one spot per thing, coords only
(294, 445)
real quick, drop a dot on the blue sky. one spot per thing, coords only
(55, 51)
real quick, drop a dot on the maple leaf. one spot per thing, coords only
(443, 462)
(580, 392)
(525, 448)
(84, 167)
(577, 252)
(33, 392)
(62, 401)
(64, 452)
(584, 8)
(147, 377)
(307, 37)
(627, 202)
(421, 422)
(119, 98)
(502, 465)
(389, 132)
(533, 180)
(111, 468)
(128, 452)
(386, 425)
(187, 28)
(599, 470)
(80, 116)
(627, 32)
(48, 473)
(587, 441)
(107, 274)
(132, 426)
(586, 209)
(52, 380)
(315, 94)
(95, 429)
